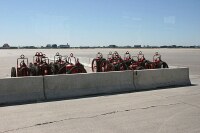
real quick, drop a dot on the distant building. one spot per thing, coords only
(137, 46)
(6, 45)
(64, 46)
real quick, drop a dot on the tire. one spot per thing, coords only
(32, 71)
(106, 66)
(54, 69)
(13, 72)
(128, 63)
(121, 67)
(75, 69)
(37, 71)
(103, 66)
(83, 70)
(94, 65)
(163, 65)
(62, 69)
(149, 65)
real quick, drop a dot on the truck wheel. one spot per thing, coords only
(13, 72)
(163, 65)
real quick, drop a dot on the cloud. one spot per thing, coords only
(170, 20)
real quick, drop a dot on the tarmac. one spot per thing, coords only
(173, 57)
(167, 110)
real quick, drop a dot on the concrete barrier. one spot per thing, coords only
(25, 89)
(67, 86)
(19, 90)
(159, 78)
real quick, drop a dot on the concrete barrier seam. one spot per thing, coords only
(44, 91)
(134, 79)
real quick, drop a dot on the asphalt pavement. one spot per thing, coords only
(168, 110)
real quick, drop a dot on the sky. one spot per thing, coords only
(99, 22)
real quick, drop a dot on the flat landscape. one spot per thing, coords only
(168, 110)
(174, 57)
(165, 100)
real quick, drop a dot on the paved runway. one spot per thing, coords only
(170, 110)
(174, 57)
